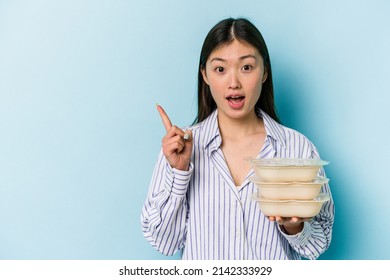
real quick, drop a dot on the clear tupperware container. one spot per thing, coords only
(289, 190)
(291, 208)
(286, 169)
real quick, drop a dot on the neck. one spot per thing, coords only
(238, 128)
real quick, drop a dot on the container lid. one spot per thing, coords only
(287, 161)
(319, 180)
(321, 198)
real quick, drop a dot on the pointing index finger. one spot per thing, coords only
(164, 117)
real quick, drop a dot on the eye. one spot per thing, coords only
(219, 69)
(247, 68)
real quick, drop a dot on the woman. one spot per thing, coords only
(199, 197)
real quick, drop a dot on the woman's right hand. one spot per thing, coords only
(176, 144)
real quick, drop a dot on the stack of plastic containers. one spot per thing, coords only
(289, 187)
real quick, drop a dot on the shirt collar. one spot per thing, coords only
(212, 136)
(211, 131)
(272, 128)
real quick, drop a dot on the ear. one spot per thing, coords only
(265, 76)
(205, 79)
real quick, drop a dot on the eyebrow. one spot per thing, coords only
(240, 58)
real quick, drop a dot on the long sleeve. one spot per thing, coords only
(164, 214)
(202, 213)
(316, 235)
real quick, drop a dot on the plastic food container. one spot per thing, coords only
(289, 190)
(286, 169)
(292, 208)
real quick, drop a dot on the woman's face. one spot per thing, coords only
(235, 74)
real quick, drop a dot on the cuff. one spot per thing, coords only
(301, 238)
(180, 179)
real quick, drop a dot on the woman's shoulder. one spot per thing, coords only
(194, 127)
(287, 136)
(206, 131)
(210, 123)
(297, 144)
(293, 134)
(199, 130)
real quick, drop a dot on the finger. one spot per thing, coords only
(271, 218)
(174, 144)
(180, 147)
(187, 137)
(174, 148)
(173, 132)
(164, 117)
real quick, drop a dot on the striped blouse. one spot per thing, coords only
(204, 215)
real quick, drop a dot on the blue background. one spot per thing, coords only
(79, 132)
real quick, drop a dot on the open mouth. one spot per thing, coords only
(235, 99)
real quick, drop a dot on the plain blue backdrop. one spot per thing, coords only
(79, 132)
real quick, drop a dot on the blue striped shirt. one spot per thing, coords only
(202, 213)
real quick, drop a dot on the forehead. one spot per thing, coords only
(234, 51)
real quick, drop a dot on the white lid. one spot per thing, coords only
(287, 161)
(319, 180)
(322, 197)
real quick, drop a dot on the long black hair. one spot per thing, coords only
(223, 33)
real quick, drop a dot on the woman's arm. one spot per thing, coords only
(164, 213)
(315, 235)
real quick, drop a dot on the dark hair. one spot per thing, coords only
(223, 33)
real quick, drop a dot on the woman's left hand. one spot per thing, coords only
(291, 225)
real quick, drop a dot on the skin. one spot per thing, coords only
(237, 70)
(176, 150)
(233, 70)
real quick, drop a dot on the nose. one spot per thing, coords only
(234, 81)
